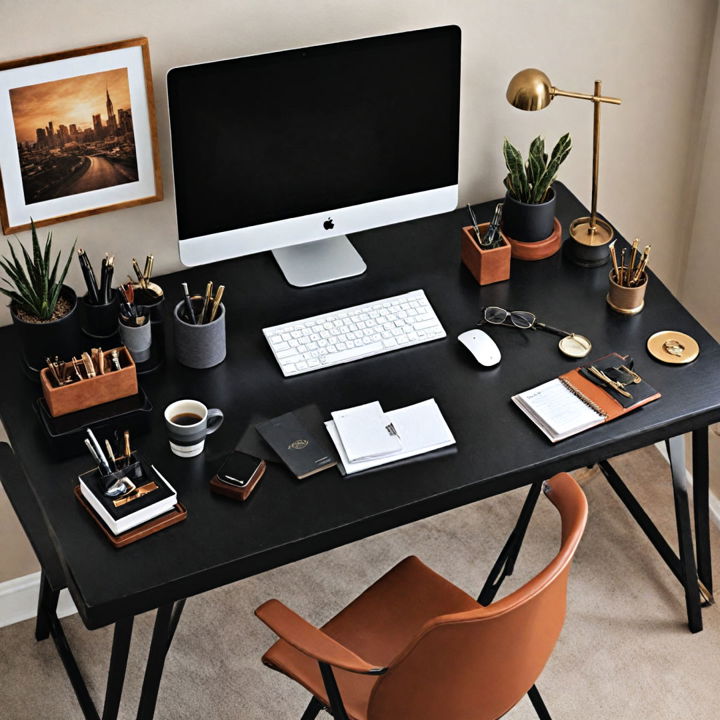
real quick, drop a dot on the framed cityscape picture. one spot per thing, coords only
(77, 134)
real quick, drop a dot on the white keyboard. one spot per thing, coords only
(345, 335)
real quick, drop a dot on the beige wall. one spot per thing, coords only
(651, 53)
(700, 288)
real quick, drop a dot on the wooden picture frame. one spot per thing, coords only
(67, 149)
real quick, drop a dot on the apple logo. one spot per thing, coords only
(329, 224)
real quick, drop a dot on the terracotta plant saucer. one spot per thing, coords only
(538, 250)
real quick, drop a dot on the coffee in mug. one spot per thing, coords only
(188, 423)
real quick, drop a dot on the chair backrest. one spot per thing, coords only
(478, 664)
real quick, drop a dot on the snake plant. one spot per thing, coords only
(530, 182)
(36, 287)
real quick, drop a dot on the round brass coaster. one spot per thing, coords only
(673, 347)
(624, 311)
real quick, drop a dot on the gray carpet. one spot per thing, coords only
(625, 651)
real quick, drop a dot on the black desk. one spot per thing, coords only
(497, 447)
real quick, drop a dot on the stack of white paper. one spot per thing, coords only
(419, 428)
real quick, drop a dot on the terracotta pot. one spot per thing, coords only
(486, 266)
(528, 222)
(538, 250)
(57, 337)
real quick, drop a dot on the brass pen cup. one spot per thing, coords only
(627, 300)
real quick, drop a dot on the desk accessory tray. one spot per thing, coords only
(176, 515)
(150, 495)
(92, 391)
(65, 434)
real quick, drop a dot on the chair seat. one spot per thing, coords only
(377, 625)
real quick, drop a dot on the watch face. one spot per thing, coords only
(575, 346)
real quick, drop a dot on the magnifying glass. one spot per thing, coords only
(571, 344)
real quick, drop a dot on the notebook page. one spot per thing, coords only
(559, 409)
(421, 427)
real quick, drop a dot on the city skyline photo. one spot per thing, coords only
(74, 135)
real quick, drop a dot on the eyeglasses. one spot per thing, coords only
(521, 319)
(571, 344)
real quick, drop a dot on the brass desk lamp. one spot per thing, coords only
(531, 89)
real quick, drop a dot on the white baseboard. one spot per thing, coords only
(714, 501)
(19, 597)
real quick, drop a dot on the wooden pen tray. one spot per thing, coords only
(87, 393)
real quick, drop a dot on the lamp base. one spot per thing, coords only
(587, 245)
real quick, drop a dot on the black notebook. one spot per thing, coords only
(302, 451)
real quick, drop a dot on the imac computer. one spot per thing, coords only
(289, 151)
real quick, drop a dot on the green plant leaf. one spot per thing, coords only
(545, 181)
(22, 282)
(514, 163)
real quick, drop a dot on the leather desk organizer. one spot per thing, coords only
(486, 266)
(86, 393)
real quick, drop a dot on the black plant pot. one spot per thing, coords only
(58, 337)
(528, 222)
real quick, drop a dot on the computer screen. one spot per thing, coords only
(305, 134)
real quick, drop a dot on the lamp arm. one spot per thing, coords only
(584, 96)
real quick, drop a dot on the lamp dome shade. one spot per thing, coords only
(530, 89)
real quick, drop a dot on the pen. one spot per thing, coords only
(216, 302)
(89, 276)
(147, 272)
(107, 280)
(92, 452)
(104, 465)
(138, 272)
(473, 219)
(634, 255)
(613, 257)
(641, 265)
(206, 302)
(188, 304)
(111, 454)
(622, 267)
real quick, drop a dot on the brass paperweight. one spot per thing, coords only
(674, 348)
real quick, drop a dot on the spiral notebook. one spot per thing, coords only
(573, 403)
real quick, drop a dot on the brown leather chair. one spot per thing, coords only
(416, 646)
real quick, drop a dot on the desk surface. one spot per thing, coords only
(498, 449)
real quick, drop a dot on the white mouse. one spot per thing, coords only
(482, 346)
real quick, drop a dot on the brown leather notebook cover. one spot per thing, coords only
(176, 515)
(606, 406)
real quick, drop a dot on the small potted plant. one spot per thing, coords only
(529, 208)
(43, 309)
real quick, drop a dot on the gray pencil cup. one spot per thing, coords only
(137, 339)
(199, 346)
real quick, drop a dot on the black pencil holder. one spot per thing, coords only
(150, 303)
(100, 321)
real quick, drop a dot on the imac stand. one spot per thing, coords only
(319, 261)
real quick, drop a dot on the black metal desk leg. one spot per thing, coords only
(118, 665)
(166, 621)
(47, 606)
(505, 564)
(701, 508)
(688, 571)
